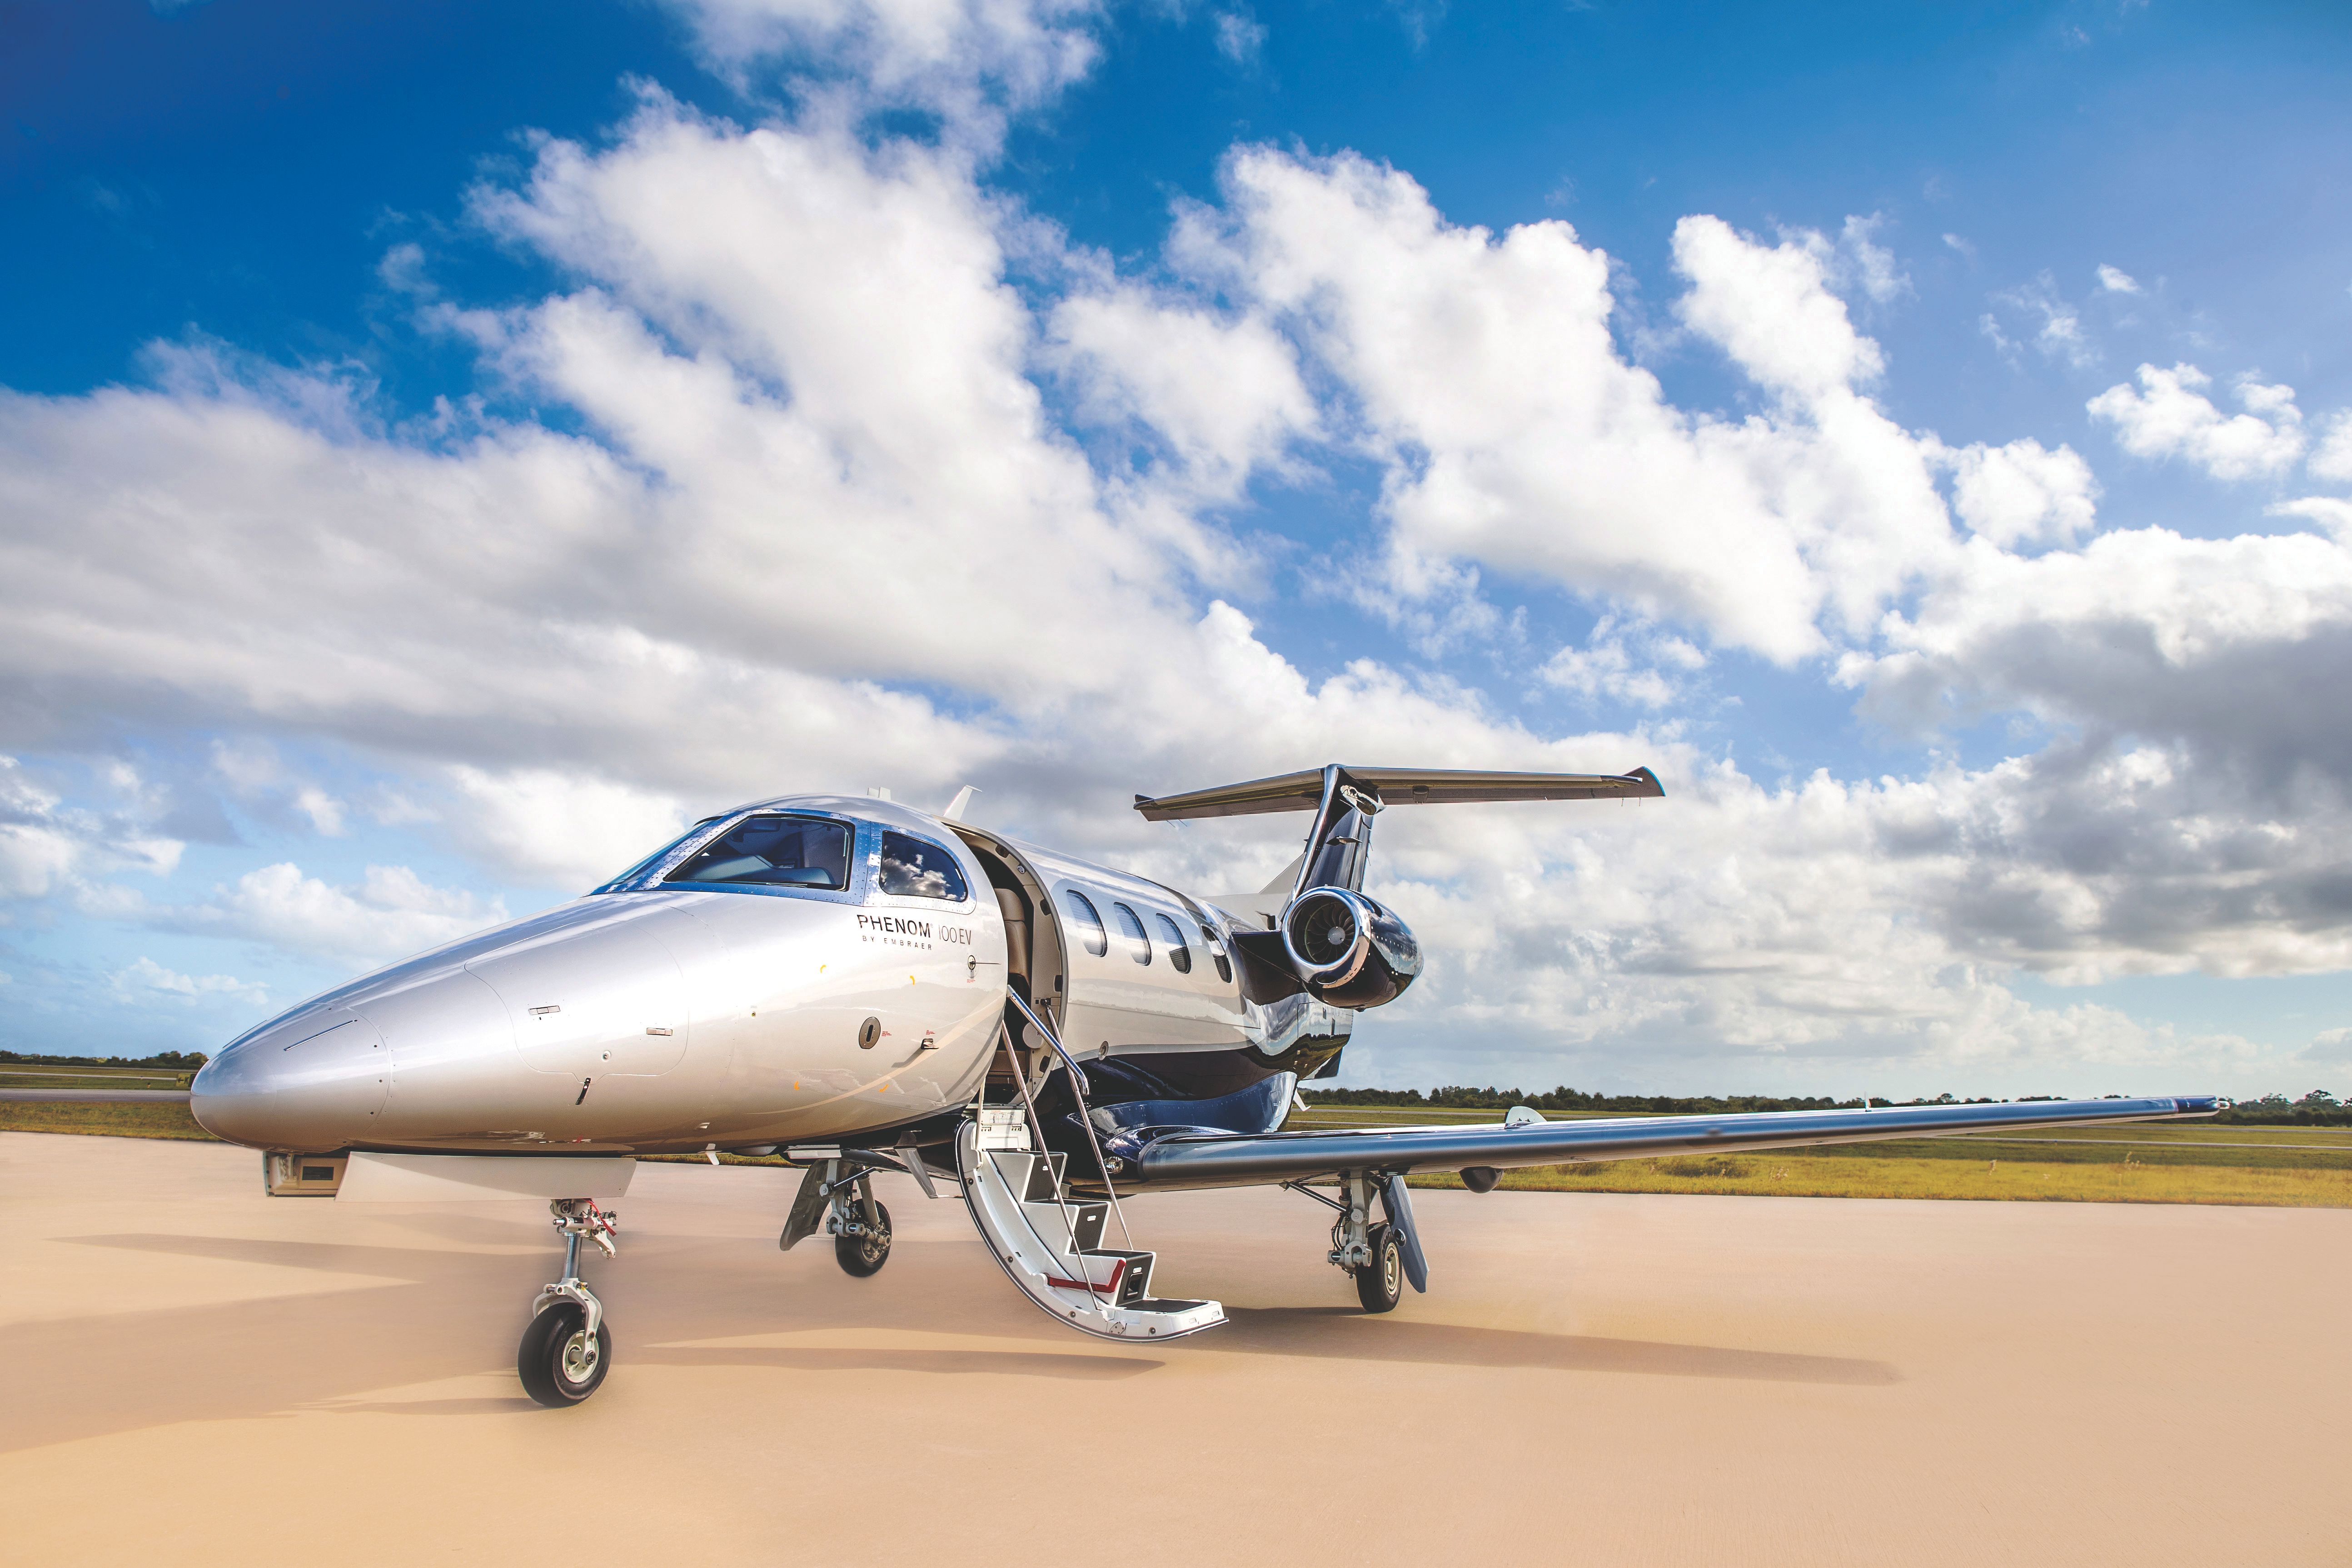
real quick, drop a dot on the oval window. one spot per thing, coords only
(1217, 952)
(1131, 926)
(1083, 915)
(1172, 935)
(914, 870)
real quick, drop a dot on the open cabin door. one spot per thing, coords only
(1035, 968)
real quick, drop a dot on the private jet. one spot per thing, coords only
(856, 986)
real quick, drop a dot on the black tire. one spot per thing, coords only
(861, 1256)
(1380, 1284)
(558, 1365)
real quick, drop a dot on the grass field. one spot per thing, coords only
(137, 1121)
(90, 1078)
(1797, 1173)
(2150, 1163)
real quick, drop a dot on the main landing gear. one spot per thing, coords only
(567, 1349)
(1381, 1256)
(837, 1197)
(862, 1244)
(1379, 1283)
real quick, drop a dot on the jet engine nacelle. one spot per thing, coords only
(1349, 950)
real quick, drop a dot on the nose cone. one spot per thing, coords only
(312, 1079)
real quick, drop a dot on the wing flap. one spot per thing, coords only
(1197, 1160)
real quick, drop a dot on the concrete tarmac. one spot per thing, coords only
(197, 1373)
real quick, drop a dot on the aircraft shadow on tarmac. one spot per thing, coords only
(439, 1314)
(1017, 1364)
(1346, 1334)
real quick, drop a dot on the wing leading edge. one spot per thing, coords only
(1190, 1158)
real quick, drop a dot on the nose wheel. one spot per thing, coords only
(567, 1349)
(562, 1360)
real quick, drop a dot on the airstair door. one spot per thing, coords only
(1051, 1245)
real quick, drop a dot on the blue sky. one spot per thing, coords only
(409, 509)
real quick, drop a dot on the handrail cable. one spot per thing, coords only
(1085, 1116)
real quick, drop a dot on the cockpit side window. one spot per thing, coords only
(770, 850)
(653, 862)
(913, 868)
(1088, 919)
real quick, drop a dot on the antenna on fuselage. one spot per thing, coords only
(877, 793)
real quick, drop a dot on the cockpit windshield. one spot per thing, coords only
(654, 862)
(770, 850)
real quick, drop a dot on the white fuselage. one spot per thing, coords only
(664, 1015)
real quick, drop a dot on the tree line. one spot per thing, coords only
(177, 1061)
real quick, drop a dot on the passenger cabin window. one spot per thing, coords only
(1131, 926)
(916, 870)
(1217, 952)
(1084, 915)
(768, 850)
(1172, 935)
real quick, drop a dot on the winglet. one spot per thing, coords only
(962, 802)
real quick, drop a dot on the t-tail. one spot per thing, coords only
(1346, 948)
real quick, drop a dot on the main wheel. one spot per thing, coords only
(1380, 1284)
(864, 1256)
(560, 1363)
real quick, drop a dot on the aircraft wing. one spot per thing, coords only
(1170, 1158)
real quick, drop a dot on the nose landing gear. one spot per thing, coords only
(567, 1349)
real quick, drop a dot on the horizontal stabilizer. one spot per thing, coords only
(1397, 786)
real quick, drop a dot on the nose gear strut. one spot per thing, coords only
(567, 1349)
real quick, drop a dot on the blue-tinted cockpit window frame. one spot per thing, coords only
(865, 854)
(820, 821)
(870, 861)
(662, 861)
(962, 899)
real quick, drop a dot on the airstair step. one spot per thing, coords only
(1051, 1247)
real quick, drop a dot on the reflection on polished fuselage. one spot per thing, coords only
(810, 968)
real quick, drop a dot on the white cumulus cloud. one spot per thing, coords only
(2023, 493)
(2168, 416)
(389, 913)
(146, 982)
(2332, 458)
